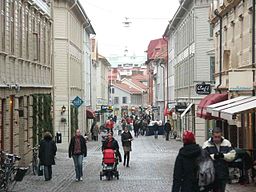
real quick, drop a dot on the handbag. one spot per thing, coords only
(40, 171)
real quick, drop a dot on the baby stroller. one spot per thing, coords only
(109, 165)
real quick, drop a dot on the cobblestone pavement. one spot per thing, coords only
(151, 167)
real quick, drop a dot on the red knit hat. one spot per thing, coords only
(188, 137)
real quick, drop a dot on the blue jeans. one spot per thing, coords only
(78, 162)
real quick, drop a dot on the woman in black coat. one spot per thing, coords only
(186, 167)
(47, 152)
(127, 138)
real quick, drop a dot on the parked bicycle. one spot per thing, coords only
(35, 160)
(9, 172)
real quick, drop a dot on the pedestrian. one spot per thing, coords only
(167, 129)
(156, 129)
(136, 127)
(91, 130)
(78, 150)
(47, 153)
(111, 143)
(95, 132)
(109, 124)
(126, 138)
(186, 167)
(221, 152)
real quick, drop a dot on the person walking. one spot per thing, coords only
(221, 152)
(186, 168)
(47, 153)
(167, 129)
(126, 138)
(78, 150)
(111, 143)
(95, 132)
(156, 129)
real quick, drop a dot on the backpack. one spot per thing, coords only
(206, 170)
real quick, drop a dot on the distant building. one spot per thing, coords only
(157, 71)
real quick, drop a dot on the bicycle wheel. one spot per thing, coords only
(11, 179)
(35, 165)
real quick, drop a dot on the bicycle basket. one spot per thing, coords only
(21, 171)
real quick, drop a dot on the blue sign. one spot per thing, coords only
(77, 102)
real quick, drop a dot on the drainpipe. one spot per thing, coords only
(253, 66)
(163, 67)
(216, 12)
(167, 70)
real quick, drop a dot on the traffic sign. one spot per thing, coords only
(77, 102)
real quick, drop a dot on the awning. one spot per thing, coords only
(230, 112)
(210, 108)
(186, 110)
(207, 101)
(216, 111)
(90, 114)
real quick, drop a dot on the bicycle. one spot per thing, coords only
(9, 172)
(35, 160)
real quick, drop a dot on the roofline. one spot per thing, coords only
(175, 17)
(138, 87)
(126, 90)
(89, 26)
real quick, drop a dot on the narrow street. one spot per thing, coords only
(151, 170)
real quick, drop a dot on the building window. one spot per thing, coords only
(26, 24)
(212, 69)
(21, 31)
(113, 90)
(124, 100)
(12, 25)
(116, 100)
(2, 14)
(211, 31)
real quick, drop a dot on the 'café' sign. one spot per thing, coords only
(203, 89)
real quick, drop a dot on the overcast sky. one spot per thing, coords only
(148, 19)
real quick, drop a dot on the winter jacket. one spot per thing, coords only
(221, 165)
(167, 127)
(47, 152)
(186, 169)
(125, 137)
(114, 145)
(82, 144)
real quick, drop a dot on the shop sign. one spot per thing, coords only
(241, 81)
(203, 89)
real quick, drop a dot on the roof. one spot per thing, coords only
(139, 77)
(127, 88)
(157, 49)
(104, 59)
(177, 17)
(88, 25)
(141, 85)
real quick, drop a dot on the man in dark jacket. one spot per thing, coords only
(111, 143)
(78, 150)
(221, 152)
(47, 152)
(186, 168)
(167, 129)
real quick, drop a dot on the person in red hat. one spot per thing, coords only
(186, 168)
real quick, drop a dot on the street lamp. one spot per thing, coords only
(63, 109)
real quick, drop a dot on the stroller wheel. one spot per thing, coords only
(101, 177)
(117, 176)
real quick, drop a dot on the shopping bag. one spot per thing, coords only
(40, 171)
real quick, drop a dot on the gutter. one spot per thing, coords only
(216, 12)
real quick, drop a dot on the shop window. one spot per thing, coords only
(212, 69)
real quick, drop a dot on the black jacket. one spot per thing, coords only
(186, 168)
(72, 146)
(114, 145)
(47, 152)
(125, 137)
(167, 127)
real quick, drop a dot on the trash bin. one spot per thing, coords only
(58, 137)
